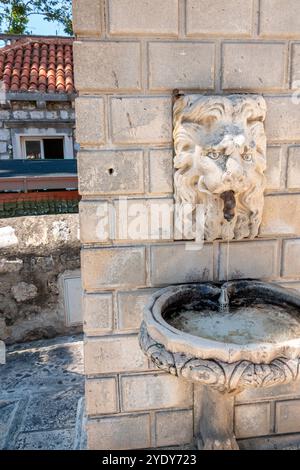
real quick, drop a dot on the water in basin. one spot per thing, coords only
(244, 324)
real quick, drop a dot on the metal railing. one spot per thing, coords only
(28, 175)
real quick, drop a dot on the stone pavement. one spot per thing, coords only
(41, 395)
(42, 405)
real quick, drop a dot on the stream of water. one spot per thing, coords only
(227, 259)
(224, 299)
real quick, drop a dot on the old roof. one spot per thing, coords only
(43, 65)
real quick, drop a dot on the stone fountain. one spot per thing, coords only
(240, 334)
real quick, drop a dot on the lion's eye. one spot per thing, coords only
(247, 157)
(214, 155)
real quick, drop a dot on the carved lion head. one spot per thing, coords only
(220, 147)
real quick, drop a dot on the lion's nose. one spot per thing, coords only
(234, 170)
(230, 178)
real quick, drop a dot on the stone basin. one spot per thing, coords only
(256, 344)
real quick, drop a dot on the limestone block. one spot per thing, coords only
(291, 285)
(253, 260)
(279, 392)
(166, 392)
(174, 428)
(281, 215)
(111, 172)
(37, 115)
(101, 396)
(104, 66)
(22, 292)
(113, 267)
(161, 171)
(274, 166)
(20, 114)
(52, 115)
(141, 17)
(95, 221)
(232, 18)
(280, 18)
(253, 66)
(141, 120)
(181, 65)
(131, 220)
(4, 115)
(252, 420)
(66, 115)
(144, 219)
(130, 308)
(291, 258)
(4, 134)
(90, 121)
(293, 170)
(174, 264)
(288, 416)
(98, 314)
(87, 17)
(296, 68)
(282, 121)
(10, 266)
(114, 354)
(3, 147)
(119, 433)
(273, 442)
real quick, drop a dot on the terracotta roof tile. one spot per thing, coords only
(43, 65)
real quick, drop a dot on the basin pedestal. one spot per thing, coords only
(216, 425)
(223, 368)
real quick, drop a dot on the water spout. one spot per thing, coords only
(229, 205)
(224, 300)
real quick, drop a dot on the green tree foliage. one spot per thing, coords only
(15, 14)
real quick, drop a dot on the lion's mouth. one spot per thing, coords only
(229, 204)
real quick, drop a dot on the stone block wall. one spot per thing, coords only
(36, 254)
(129, 56)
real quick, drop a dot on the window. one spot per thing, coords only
(43, 143)
(35, 148)
(53, 149)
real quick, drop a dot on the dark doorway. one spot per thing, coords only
(54, 149)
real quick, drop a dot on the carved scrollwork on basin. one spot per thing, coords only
(222, 376)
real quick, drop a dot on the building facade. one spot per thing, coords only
(37, 99)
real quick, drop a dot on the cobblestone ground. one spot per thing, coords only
(41, 400)
(41, 395)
